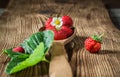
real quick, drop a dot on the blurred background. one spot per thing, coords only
(3, 5)
(113, 7)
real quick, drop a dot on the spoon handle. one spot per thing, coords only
(59, 66)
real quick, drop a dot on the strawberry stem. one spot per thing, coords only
(101, 35)
(1, 53)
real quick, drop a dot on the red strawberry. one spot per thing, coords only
(93, 44)
(67, 30)
(59, 35)
(18, 49)
(67, 21)
(49, 26)
(48, 21)
(62, 33)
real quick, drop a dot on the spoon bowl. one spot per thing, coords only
(67, 40)
(64, 41)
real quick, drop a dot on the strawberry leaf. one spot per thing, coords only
(19, 63)
(35, 47)
(96, 38)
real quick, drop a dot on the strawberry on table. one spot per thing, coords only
(61, 28)
(93, 44)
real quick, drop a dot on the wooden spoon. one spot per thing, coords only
(59, 66)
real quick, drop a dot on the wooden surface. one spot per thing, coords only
(24, 17)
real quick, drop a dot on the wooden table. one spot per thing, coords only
(24, 17)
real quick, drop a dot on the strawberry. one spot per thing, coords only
(48, 21)
(93, 44)
(18, 49)
(59, 35)
(67, 21)
(67, 30)
(62, 33)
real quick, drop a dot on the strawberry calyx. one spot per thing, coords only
(97, 38)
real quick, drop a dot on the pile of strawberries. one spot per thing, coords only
(61, 26)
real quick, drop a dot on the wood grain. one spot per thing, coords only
(24, 17)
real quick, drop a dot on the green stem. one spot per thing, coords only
(101, 35)
(44, 59)
(1, 53)
(47, 61)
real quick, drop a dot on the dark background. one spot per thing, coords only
(3, 3)
(111, 3)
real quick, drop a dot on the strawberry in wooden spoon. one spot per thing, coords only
(60, 26)
(63, 34)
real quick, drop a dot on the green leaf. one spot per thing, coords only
(96, 38)
(17, 63)
(13, 63)
(31, 43)
(35, 47)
